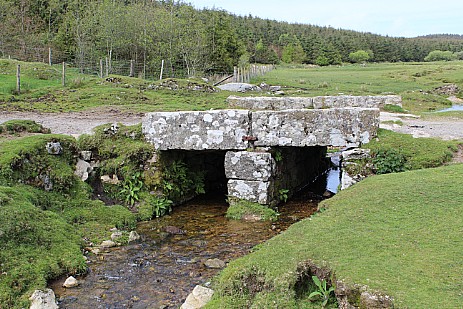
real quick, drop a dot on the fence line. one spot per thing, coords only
(103, 67)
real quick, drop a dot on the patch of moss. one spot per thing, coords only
(26, 160)
(240, 209)
(36, 245)
(19, 126)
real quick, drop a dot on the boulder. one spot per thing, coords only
(70, 282)
(43, 299)
(240, 87)
(198, 298)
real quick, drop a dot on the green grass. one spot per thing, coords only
(42, 91)
(418, 152)
(400, 234)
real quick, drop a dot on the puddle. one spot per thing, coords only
(454, 108)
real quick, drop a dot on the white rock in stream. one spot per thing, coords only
(214, 263)
(70, 282)
(43, 299)
(198, 298)
(133, 236)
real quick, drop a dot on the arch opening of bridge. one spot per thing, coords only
(268, 145)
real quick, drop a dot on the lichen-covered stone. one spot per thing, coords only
(270, 103)
(222, 129)
(321, 102)
(255, 191)
(339, 127)
(248, 165)
(43, 299)
(355, 101)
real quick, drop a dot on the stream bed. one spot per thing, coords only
(162, 269)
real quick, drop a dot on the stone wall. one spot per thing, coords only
(233, 129)
(340, 127)
(221, 129)
(321, 102)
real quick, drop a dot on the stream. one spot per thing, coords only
(162, 269)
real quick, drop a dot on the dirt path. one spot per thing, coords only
(75, 123)
(444, 128)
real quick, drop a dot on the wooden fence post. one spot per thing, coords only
(18, 79)
(107, 67)
(132, 68)
(101, 68)
(64, 74)
(162, 69)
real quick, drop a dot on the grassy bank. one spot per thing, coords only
(46, 213)
(400, 234)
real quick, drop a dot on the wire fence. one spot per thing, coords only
(149, 70)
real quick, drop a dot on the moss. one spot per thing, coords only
(240, 209)
(26, 160)
(36, 245)
(18, 126)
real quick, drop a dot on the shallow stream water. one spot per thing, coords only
(162, 269)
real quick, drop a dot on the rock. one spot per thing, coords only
(86, 155)
(214, 263)
(356, 154)
(198, 298)
(239, 87)
(116, 235)
(264, 86)
(133, 236)
(450, 89)
(107, 244)
(43, 299)
(173, 230)
(111, 180)
(249, 165)
(274, 88)
(375, 301)
(70, 282)
(54, 148)
(280, 92)
(83, 169)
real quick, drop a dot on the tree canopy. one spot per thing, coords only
(187, 39)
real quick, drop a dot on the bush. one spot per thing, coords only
(439, 55)
(388, 161)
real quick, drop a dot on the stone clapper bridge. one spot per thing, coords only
(265, 147)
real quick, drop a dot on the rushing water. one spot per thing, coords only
(161, 270)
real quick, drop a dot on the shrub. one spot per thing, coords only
(388, 161)
(439, 55)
